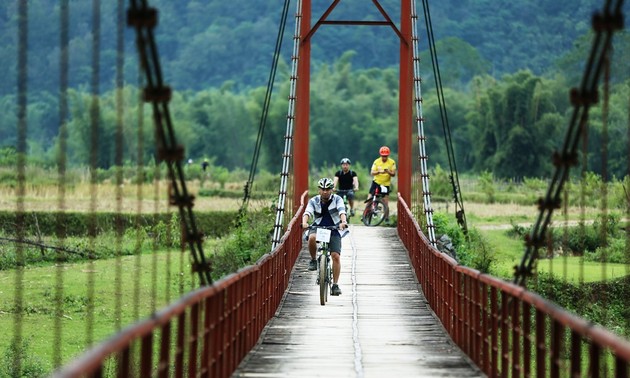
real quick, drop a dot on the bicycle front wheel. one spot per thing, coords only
(323, 280)
(376, 213)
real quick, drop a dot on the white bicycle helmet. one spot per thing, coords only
(345, 161)
(325, 183)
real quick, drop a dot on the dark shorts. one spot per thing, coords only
(335, 241)
(375, 185)
(349, 193)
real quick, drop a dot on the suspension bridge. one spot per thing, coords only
(406, 309)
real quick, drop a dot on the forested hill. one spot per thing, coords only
(204, 43)
(506, 66)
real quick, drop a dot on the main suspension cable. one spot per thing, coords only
(454, 177)
(95, 122)
(144, 19)
(605, 24)
(61, 186)
(288, 138)
(265, 108)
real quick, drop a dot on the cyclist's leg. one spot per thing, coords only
(336, 266)
(312, 243)
(350, 197)
(386, 202)
(312, 250)
(335, 252)
(341, 193)
(372, 190)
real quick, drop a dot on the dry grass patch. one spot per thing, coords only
(128, 198)
(496, 213)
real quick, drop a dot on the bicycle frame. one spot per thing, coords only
(375, 209)
(324, 261)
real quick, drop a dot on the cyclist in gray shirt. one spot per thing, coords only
(326, 209)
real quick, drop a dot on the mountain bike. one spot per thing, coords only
(324, 261)
(375, 208)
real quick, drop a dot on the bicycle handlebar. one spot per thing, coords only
(314, 226)
(342, 233)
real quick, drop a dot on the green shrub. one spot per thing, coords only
(471, 249)
(446, 224)
(614, 252)
(77, 224)
(486, 182)
(619, 194)
(142, 233)
(588, 238)
(245, 244)
(266, 182)
(586, 299)
(167, 234)
(8, 178)
(8, 157)
(576, 240)
(17, 361)
(441, 183)
(517, 231)
(476, 252)
(585, 192)
(535, 185)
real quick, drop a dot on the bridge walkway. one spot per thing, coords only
(381, 326)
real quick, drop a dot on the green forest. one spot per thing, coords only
(506, 71)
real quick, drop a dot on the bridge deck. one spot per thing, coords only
(380, 326)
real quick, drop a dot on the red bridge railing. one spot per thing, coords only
(505, 329)
(207, 332)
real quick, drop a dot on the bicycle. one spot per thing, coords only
(375, 209)
(324, 261)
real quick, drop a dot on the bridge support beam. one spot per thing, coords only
(302, 110)
(405, 103)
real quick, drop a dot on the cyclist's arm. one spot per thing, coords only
(335, 182)
(355, 183)
(305, 219)
(392, 170)
(342, 214)
(308, 212)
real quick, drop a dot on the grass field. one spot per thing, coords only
(141, 292)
